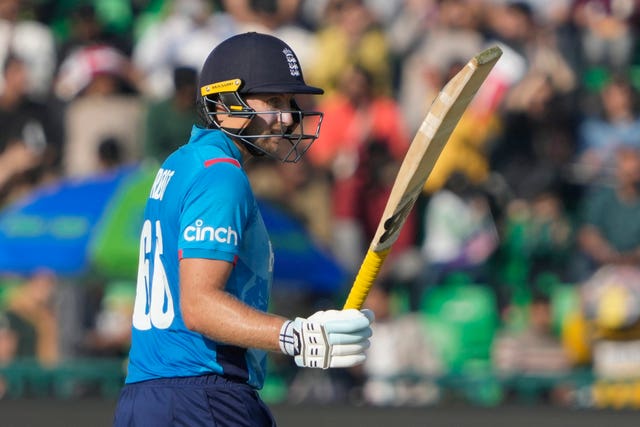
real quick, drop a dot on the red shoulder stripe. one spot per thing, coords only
(210, 162)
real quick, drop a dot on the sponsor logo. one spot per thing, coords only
(225, 86)
(198, 232)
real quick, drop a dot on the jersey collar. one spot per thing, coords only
(216, 137)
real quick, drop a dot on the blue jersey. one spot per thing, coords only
(200, 206)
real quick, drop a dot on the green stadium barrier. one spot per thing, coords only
(461, 320)
(26, 377)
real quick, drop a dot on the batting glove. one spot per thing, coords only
(328, 339)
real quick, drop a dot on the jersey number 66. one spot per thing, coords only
(154, 303)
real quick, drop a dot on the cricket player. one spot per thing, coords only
(200, 330)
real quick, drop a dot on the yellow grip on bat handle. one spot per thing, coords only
(364, 279)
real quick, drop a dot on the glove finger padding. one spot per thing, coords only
(350, 320)
(347, 361)
(328, 338)
(352, 338)
(354, 327)
(349, 349)
(369, 314)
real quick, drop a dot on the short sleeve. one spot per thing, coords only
(215, 212)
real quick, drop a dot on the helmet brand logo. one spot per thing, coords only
(218, 87)
(294, 68)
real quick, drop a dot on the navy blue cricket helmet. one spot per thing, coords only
(254, 63)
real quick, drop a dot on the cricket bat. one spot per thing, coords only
(427, 144)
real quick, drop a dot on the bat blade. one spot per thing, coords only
(427, 144)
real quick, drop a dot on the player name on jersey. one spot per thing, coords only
(160, 183)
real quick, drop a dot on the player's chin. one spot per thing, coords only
(272, 145)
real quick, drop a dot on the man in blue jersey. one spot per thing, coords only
(200, 328)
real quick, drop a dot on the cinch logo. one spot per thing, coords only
(201, 233)
(294, 68)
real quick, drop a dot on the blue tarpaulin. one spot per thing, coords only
(299, 261)
(62, 227)
(52, 227)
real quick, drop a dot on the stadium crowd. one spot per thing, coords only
(521, 254)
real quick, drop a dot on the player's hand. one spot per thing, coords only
(328, 339)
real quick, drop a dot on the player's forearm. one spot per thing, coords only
(222, 317)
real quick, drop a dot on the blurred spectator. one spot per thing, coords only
(8, 348)
(32, 315)
(300, 188)
(536, 143)
(30, 144)
(352, 115)
(350, 35)
(443, 35)
(15, 161)
(459, 233)
(169, 121)
(8, 343)
(609, 232)
(94, 70)
(362, 142)
(406, 27)
(616, 124)
(86, 28)
(466, 151)
(610, 317)
(512, 23)
(549, 14)
(183, 38)
(534, 351)
(401, 363)
(311, 13)
(537, 239)
(532, 154)
(32, 41)
(110, 335)
(97, 84)
(113, 20)
(608, 31)
(109, 154)
(602, 333)
(556, 22)
(278, 18)
(516, 26)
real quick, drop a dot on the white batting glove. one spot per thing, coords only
(328, 339)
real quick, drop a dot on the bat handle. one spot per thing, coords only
(364, 279)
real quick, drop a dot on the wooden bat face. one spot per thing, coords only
(428, 143)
